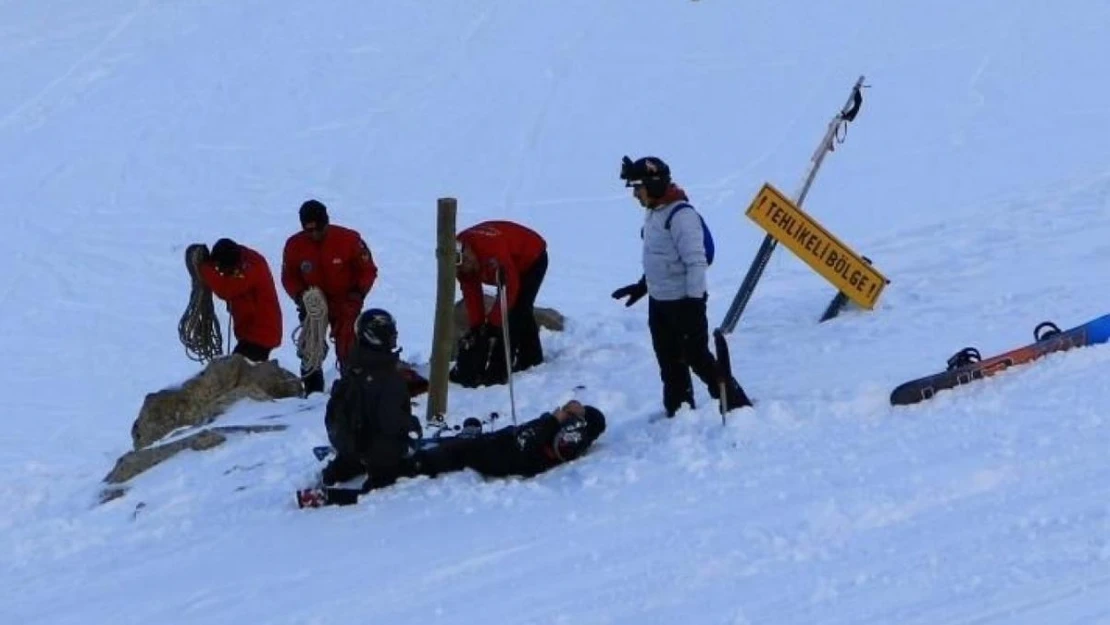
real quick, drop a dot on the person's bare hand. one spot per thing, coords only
(570, 410)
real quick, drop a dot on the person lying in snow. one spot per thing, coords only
(526, 450)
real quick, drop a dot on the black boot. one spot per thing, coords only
(340, 470)
(313, 382)
(673, 401)
(528, 354)
(735, 397)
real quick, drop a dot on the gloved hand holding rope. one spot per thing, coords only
(311, 337)
(199, 328)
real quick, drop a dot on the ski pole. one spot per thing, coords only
(504, 302)
(828, 143)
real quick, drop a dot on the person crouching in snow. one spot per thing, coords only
(518, 256)
(526, 450)
(368, 416)
(241, 277)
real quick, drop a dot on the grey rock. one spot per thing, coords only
(207, 395)
(135, 462)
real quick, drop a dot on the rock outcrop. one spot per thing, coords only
(205, 396)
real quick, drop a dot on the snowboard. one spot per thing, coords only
(966, 367)
(724, 368)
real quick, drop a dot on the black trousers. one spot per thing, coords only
(313, 382)
(341, 469)
(524, 332)
(252, 351)
(493, 455)
(680, 338)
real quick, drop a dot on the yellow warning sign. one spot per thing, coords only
(842, 267)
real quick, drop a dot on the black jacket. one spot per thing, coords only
(526, 450)
(375, 432)
(532, 443)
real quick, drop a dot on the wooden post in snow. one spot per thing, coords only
(443, 333)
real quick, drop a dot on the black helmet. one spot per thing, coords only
(649, 171)
(375, 329)
(595, 422)
(226, 254)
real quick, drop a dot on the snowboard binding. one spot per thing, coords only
(1045, 330)
(964, 357)
(311, 498)
(471, 426)
(318, 497)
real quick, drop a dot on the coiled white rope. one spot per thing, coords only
(311, 337)
(199, 328)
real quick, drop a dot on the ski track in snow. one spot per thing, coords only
(85, 59)
(132, 130)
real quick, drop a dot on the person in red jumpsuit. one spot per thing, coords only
(338, 262)
(502, 250)
(241, 277)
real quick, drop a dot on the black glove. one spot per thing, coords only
(634, 292)
(489, 334)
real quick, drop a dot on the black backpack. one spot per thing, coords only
(479, 360)
(345, 416)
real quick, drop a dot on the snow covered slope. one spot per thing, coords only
(977, 177)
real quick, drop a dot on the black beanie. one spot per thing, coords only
(314, 211)
(226, 254)
(595, 422)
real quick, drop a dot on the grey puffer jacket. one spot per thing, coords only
(674, 259)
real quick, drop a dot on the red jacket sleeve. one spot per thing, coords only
(363, 269)
(471, 287)
(291, 272)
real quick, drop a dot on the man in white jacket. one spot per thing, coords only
(675, 262)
